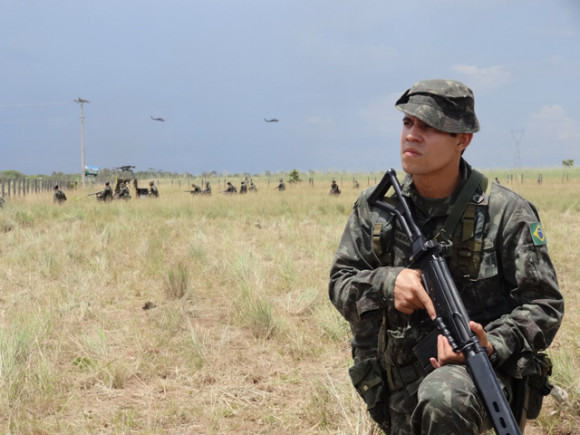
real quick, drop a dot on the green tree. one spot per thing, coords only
(294, 176)
(568, 163)
(11, 174)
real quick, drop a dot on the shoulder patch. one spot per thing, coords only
(538, 236)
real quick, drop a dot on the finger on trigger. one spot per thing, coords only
(428, 304)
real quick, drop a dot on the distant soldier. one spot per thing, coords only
(153, 191)
(355, 184)
(230, 188)
(124, 192)
(58, 197)
(253, 187)
(334, 190)
(196, 189)
(281, 185)
(207, 190)
(244, 186)
(106, 194)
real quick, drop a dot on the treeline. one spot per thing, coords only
(112, 173)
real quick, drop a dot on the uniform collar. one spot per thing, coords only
(430, 208)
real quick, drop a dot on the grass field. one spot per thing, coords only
(190, 314)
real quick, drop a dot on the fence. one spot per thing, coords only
(25, 186)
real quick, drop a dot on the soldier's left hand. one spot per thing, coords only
(446, 354)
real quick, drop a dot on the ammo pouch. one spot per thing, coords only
(538, 386)
(368, 377)
(529, 391)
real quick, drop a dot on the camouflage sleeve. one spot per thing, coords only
(530, 274)
(359, 286)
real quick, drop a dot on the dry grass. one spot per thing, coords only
(203, 314)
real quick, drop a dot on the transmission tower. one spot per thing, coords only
(517, 135)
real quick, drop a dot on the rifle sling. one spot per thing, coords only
(460, 204)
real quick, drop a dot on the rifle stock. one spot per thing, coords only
(452, 318)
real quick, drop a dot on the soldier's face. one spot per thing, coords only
(426, 150)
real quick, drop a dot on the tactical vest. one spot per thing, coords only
(464, 245)
(463, 235)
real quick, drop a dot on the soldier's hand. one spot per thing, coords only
(410, 295)
(446, 354)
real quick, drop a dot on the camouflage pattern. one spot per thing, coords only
(446, 403)
(447, 105)
(334, 189)
(514, 294)
(106, 194)
(230, 188)
(59, 196)
(153, 191)
(124, 192)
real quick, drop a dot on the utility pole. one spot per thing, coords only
(81, 102)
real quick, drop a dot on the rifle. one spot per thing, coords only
(452, 318)
(94, 193)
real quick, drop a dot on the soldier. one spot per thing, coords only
(334, 190)
(106, 194)
(253, 187)
(58, 197)
(499, 261)
(230, 188)
(196, 189)
(153, 190)
(207, 190)
(281, 186)
(244, 186)
(123, 192)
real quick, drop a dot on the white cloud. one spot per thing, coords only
(485, 79)
(552, 121)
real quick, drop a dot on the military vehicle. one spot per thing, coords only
(126, 177)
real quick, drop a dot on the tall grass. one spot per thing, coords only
(192, 314)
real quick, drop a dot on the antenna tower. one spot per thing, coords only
(517, 135)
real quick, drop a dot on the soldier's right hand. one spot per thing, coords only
(410, 295)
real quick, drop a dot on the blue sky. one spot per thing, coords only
(329, 70)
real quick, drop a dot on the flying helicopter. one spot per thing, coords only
(158, 119)
(271, 120)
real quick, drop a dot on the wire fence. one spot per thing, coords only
(26, 186)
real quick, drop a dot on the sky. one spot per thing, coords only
(329, 70)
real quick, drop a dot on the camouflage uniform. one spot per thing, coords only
(153, 191)
(504, 275)
(230, 189)
(124, 192)
(106, 194)
(334, 189)
(59, 196)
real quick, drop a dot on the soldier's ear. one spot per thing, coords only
(463, 141)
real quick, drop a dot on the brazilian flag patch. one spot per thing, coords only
(538, 235)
